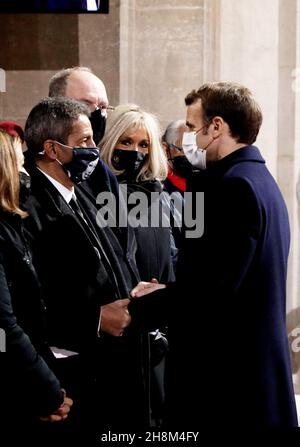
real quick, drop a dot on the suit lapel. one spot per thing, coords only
(105, 235)
(55, 204)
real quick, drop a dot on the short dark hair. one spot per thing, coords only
(52, 118)
(234, 103)
(58, 82)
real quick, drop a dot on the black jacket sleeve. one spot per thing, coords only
(41, 385)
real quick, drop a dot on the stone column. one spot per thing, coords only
(99, 47)
(249, 55)
(166, 49)
(288, 144)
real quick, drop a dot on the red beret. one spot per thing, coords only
(13, 129)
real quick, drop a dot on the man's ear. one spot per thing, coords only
(50, 149)
(218, 124)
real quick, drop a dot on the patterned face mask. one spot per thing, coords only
(83, 163)
(131, 162)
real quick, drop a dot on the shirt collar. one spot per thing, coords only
(65, 192)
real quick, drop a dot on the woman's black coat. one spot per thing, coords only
(27, 384)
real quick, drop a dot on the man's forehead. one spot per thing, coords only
(195, 107)
(194, 112)
(85, 86)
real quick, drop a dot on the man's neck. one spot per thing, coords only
(227, 146)
(56, 172)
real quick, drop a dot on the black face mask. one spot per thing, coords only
(98, 122)
(25, 183)
(129, 161)
(83, 164)
(181, 166)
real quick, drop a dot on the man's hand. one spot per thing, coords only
(61, 413)
(144, 288)
(115, 317)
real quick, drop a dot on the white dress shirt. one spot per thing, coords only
(65, 192)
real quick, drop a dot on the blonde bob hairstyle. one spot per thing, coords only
(131, 116)
(9, 175)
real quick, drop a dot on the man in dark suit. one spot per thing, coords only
(82, 267)
(229, 364)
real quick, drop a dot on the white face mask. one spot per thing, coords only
(195, 155)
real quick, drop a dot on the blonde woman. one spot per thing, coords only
(29, 390)
(129, 128)
(132, 148)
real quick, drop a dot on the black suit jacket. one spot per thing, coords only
(74, 278)
(76, 284)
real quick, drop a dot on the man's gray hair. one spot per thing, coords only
(171, 132)
(52, 119)
(58, 82)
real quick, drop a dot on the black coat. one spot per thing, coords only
(154, 260)
(153, 255)
(104, 181)
(28, 387)
(76, 284)
(148, 251)
(229, 358)
(75, 280)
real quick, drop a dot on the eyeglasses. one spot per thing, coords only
(104, 109)
(109, 107)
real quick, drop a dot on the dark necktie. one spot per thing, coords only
(95, 240)
(90, 231)
(77, 210)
